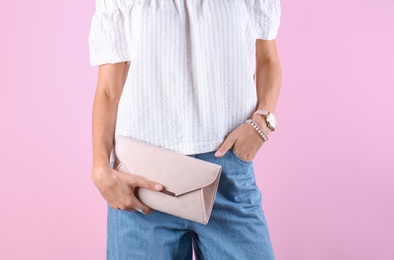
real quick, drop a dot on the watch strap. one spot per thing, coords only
(261, 112)
(265, 113)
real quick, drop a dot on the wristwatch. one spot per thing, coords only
(269, 118)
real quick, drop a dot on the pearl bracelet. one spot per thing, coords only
(258, 129)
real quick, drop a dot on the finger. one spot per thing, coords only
(244, 153)
(134, 204)
(142, 208)
(147, 184)
(114, 206)
(226, 145)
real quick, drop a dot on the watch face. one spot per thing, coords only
(271, 120)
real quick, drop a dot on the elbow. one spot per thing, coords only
(269, 62)
(108, 93)
(112, 96)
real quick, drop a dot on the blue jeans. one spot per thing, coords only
(237, 228)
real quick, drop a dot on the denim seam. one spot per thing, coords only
(117, 233)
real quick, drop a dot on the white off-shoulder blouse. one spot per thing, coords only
(192, 65)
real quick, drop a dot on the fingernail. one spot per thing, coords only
(218, 153)
(158, 187)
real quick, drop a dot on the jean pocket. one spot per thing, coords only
(236, 156)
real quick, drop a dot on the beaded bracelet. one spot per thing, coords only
(258, 129)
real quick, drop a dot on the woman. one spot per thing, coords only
(185, 75)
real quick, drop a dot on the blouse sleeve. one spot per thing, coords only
(266, 18)
(107, 35)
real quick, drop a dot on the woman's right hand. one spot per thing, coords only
(118, 188)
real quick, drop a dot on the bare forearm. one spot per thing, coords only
(103, 128)
(117, 188)
(268, 81)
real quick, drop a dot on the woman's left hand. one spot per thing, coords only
(245, 141)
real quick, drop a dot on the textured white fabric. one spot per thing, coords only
(192, 64)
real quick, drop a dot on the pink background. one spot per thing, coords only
(326, 173)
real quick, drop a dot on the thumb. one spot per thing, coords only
(225, 146)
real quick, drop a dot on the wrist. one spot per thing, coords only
(258, 129)
(100, 170)
(260, 120)
(102, 177)
(101, 166)
(269, 118)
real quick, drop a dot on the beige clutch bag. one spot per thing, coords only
(190, 183)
